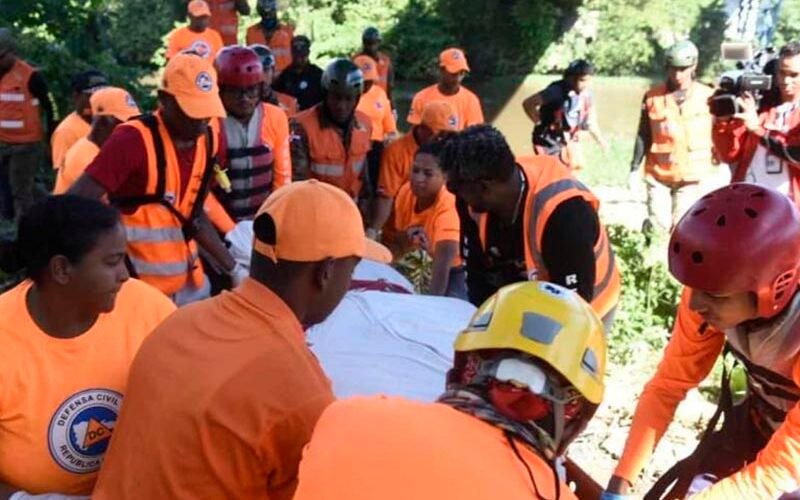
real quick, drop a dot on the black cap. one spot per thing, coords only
(301, 44)
(89, 80)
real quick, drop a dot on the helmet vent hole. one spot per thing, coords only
(751, 213)
(721, 221)
(676, 247)
(697, 257)
(757, 194)
(698, 211)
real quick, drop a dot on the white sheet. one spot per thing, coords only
(390, 343)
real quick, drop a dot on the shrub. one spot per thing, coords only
(649, 297)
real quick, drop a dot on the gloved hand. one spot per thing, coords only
(24, 495)
(607, 495)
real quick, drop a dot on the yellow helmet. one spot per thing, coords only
(547, 322)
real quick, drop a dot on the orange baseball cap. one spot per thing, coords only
(198, 8)
(193, 82)
(453, 60)
(313, 221)
(114, 101)
(368, 66)
(439, 116)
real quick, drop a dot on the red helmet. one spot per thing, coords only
(238, 66)
(740, 238)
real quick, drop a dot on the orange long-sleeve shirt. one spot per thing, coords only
(688, 358)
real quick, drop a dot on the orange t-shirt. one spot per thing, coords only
(207, 43)
(393, 448)
(221, 400)
(71, 128)
(59, 398)
(79, 156)
(466, 105)
(440, 221)
(396, 165)
(377, 107)
(280, 43)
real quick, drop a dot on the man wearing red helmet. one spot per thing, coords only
(254, 137)
(737, 251)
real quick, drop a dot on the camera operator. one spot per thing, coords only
(764, 148)
(674, 140)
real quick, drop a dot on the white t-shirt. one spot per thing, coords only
(767, 169)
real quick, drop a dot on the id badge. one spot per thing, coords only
(774, 165)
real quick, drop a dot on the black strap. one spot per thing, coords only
(188, 225)
(679, 477)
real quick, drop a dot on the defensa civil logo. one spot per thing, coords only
(80, 429)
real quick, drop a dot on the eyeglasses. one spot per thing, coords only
(249, 92)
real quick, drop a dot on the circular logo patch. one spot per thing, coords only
(303, 85)
(452, 121)
(81, 428)
(129, 101)
(204, 81)
(202, 48)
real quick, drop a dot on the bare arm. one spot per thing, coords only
(531, 107)
(87, 187)
(208, 238)
(443, 256)
(593, 127)
(381, 210)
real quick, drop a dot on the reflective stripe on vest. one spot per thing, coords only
(165, 269)
(11, 97)
(20, 119)
(13, 124)
(153, 235)
(681, 144)
(328, 159)
(607, 279)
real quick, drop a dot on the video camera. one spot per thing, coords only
(752, 74)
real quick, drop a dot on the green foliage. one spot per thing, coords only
(114, 36)
(417, 267)
(649, 297)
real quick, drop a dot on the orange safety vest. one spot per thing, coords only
(225, 20)
(286, 102)
(329, 161)
(681, 135)
(550, 184)
(20, 119)
(160, 231)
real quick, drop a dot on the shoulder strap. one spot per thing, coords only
(151, 123)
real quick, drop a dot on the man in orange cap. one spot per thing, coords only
(157, 169)
(453, 68)
(78, 123)
(274, 34)
(231, 378)
(370, 44)
(110, 107)
(437, 117)
(197, 36)
(375, 104)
